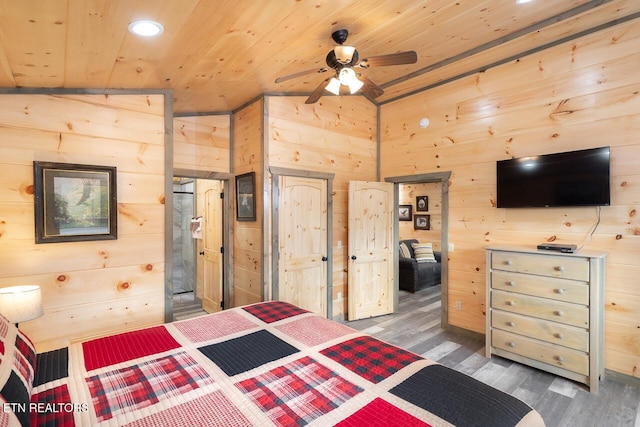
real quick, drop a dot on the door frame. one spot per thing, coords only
(227, 256)
(276, 173)
(443, 179)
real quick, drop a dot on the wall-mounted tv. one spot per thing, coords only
(575, 178)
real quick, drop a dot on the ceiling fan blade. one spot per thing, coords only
(300, 74)
(369, 88)
(400, 58)
(317, 93)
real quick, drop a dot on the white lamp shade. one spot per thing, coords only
(344, 54)
(21, 303)
(355, 85)
(333, 86)
(348, 78)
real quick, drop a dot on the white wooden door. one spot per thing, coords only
(302, 239)
(209, 248)
(371, 245)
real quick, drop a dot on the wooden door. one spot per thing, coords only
(371, 245)
(209, 277)
(302, 239)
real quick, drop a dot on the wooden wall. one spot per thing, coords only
(248, 156)
(89, 288)
(580, 94)
(202, 143)
(336, 135)
(407, 194)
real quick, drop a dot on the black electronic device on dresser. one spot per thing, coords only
(559, 247)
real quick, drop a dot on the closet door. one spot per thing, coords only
(302, 237)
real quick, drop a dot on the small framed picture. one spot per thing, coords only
(422, 222)
(404, 212)
(74, 203)
(246, 197)
(422, 203)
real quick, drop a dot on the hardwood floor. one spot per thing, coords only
(561, 402)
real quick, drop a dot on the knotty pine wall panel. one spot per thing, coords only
(247, 237)
(89, 288)
(577, 95)
(336, 135)
(202, 143)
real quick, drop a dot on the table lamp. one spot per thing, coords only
(21, 303)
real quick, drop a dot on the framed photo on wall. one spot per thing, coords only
(404, 212)
(422, 203)
(246, 197)
(74, 202)
(422, 222)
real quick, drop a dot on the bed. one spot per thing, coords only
(270, 363)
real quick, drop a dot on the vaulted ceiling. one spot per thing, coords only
(217, 55)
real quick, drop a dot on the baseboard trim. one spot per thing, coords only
(464, 332)
(622, 378)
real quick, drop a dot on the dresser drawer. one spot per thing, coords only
(544, 330)
(546, 287)
(562, 357)
(543, 308)
(544, 265)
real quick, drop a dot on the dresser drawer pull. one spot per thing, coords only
(508, 262)
(560, 291)
(558, 313)
(511, 324)
(560, 359)
(511, 344)
(511, 283)
(559, 268)
(559, 336)
(511, 303)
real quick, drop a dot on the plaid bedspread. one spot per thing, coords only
(265, 364)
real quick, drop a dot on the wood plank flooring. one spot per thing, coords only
(416, 327)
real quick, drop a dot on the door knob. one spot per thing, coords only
(353, 257)
(324, 258)
(201, 252)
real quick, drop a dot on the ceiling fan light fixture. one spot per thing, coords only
(355, 85)
(343, 53)
(145, 28)
(348, 78)
(333, 86)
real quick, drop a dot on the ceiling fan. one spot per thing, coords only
(343, 59)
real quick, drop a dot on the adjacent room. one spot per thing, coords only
(239, 183)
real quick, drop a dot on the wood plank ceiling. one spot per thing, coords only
(217, 55)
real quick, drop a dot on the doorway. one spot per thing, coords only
(199, 236)
(441, 179)
(183, 271)
(184, 251)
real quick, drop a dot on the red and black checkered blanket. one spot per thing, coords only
(265, 364)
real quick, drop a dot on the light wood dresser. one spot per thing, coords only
(546, 309)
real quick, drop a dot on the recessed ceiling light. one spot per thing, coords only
(146, 28)
(522, 1)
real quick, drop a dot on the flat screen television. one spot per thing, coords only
(575, 178)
